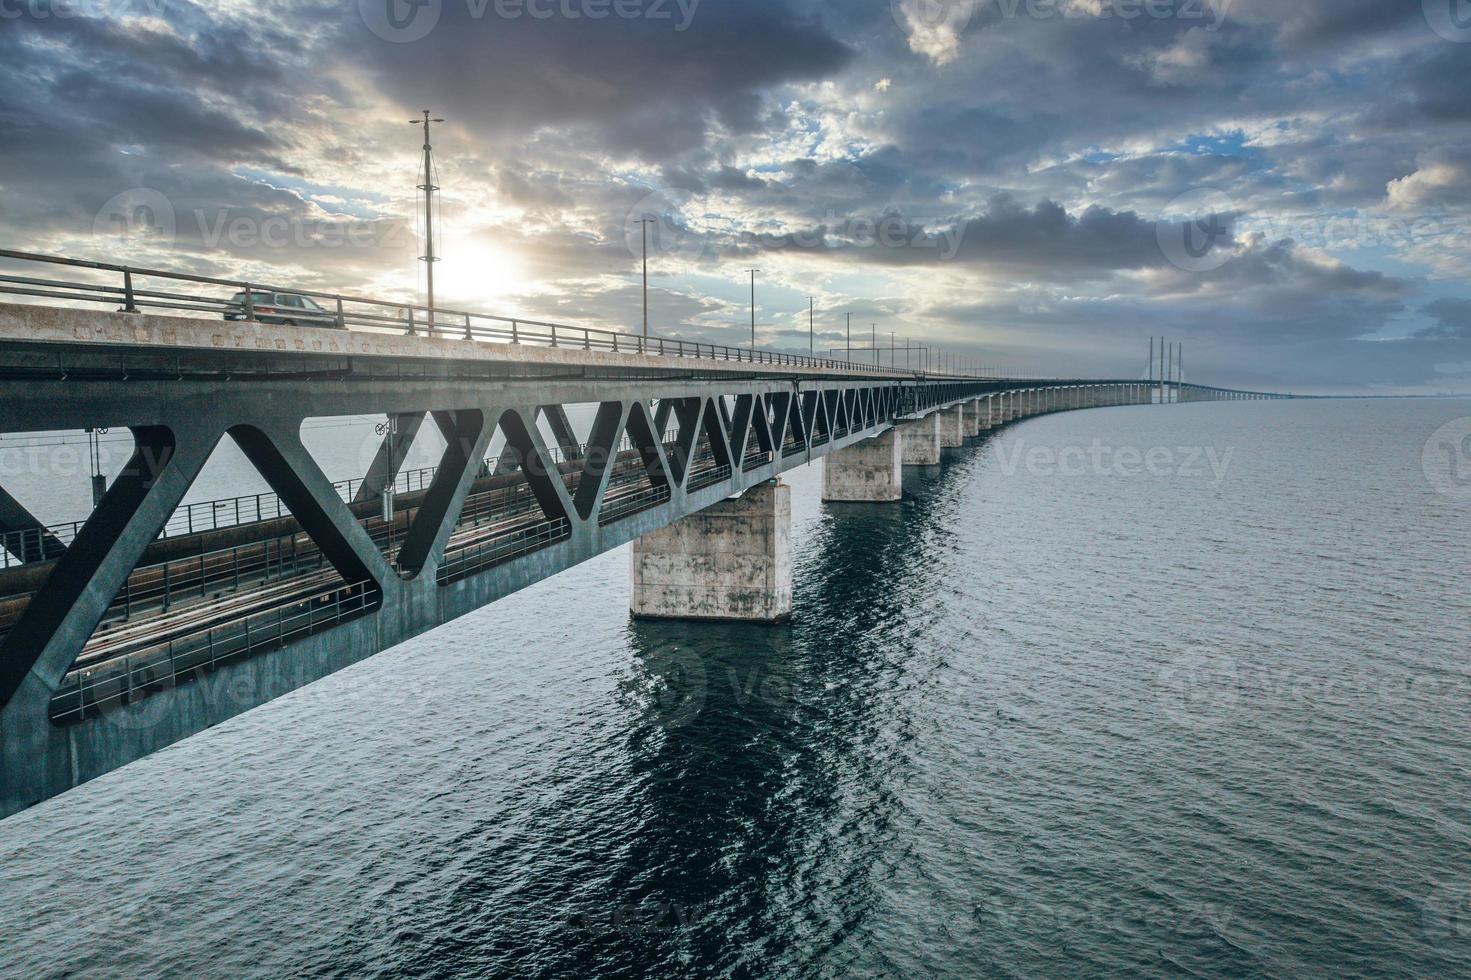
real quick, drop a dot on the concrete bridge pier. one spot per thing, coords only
(921, 439)
(952, 427)
(730, 562)
(969, 417)
(871, 471)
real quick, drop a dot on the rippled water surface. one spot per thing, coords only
(1058, 713)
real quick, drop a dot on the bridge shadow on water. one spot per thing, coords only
(743, 807)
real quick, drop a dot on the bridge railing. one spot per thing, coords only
(134, 290)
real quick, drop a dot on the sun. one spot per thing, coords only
(476, 275)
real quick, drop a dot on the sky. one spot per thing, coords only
(1282, 186)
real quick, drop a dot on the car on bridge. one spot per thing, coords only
(290, 309)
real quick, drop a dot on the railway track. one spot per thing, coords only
(481, 523)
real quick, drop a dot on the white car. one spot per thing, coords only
(290, 309)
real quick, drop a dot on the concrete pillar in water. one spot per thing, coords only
(732, 561)
(921, 439)
(986, 414)
(867, 472)
(974, 412)
(952, 427)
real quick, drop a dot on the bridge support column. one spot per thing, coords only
(973, 417)
(985, 414)
(921, 439)
(731, 562)
(868, 472)
(952, 427)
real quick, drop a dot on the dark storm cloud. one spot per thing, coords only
(1311, 25)
(93, 107)
(1040, 242)
(647, 86)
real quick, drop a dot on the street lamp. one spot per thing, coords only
(753, 306)
(644, 227)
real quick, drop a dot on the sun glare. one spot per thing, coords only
(477, 275)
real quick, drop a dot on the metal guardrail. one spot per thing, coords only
(89, 692)
(708, 477)
(497, 549)
(628, 504)
(344, 312)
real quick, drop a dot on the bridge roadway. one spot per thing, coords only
(116, 640)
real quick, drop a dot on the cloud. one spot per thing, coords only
(1453, 320)
(638, 86)
(1442, 179)
(1040, 242)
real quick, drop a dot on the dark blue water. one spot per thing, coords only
(1159, 691)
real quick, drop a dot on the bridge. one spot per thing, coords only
(152, 619)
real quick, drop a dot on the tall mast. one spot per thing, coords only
(428, 187)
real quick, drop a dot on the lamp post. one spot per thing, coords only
(644, 227)
(753, 306)
(811, 326)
